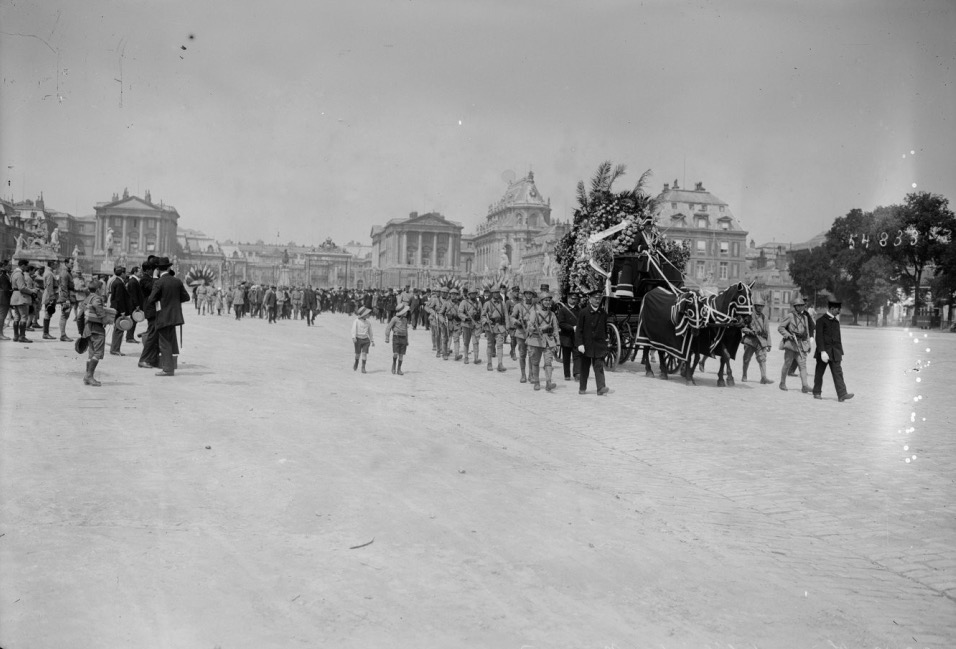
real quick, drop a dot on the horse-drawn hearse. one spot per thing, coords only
(615, 246)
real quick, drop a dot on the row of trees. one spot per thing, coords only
(870, 259)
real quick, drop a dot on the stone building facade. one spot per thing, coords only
(510, 227)
(415, 251)
(706, 224)
(135, 228)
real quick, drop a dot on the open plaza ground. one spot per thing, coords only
(268, 496)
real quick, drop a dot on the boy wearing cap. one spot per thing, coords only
(362, 336)
(398, 327)
(830, 353)
(94, 329)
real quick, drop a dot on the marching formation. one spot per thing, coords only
(536, 330)
(530, 327)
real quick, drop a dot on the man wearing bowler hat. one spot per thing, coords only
(830, 352)
(150, 355)
(168, 295)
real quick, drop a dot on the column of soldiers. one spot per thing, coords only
(538, 330)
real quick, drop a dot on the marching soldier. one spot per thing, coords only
(494, 318)
(519, 316)
(541, 327)
(453, 322)
(431, 308)
(511, 301)
(757, 341)
(469, 313)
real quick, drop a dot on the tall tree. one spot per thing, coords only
(812, 272)
(877, 284)
(919, 233)
(850, 242)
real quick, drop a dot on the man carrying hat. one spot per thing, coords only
(118, 299)
(168, 295)
(757, 341)
(830, 353)
(149, 357)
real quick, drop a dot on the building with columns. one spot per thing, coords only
(414, 251)
(511, 226)
(139, 228)
(706, 225)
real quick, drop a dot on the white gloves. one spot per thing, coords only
(824, 357)
(581, 348)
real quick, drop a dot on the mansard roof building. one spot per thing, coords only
(706, 225)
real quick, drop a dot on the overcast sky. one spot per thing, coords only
(307, 119)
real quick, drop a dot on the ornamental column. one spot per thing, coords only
(418, 254)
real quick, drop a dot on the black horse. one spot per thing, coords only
(686, 325)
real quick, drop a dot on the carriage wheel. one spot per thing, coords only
(613, 347)
(671, 364)
(626, 337)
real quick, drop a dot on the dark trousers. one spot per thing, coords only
(586, 362)
(150, 354)
(116, 341)
(130, 338)
(836, 369)
(167, 347)
(272, 314)
(571, 358)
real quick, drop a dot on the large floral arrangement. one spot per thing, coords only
(601, 209)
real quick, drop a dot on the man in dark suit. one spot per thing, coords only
(308, 304)
(168, 295)
(830, 353)
(590, 337)
(150, 356)
(134, 289)
(119, 300)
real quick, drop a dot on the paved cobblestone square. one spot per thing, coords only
(269, 496)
